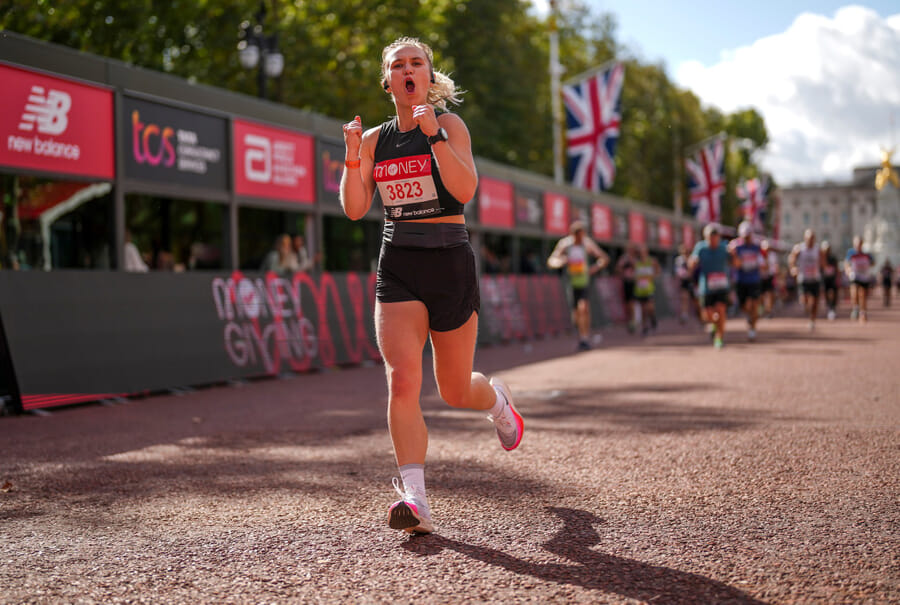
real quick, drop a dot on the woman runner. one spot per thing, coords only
(421, 163)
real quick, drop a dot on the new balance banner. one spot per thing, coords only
(56, 125)
(171, 145)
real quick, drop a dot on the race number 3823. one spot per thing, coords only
(407, 185)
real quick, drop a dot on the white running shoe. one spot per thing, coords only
(751, 334)
(509, 424)
(410, 513)
(831, 315)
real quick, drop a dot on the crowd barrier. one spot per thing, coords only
(74, 336)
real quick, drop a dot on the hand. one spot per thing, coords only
(353, 136)
(424, 116)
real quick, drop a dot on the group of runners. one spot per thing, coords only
(748, 269)
(719, 275)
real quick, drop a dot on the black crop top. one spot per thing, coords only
(407, 176)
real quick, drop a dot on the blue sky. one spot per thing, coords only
(824, 75)
(701, 30)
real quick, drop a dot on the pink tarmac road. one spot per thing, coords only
(653, 470)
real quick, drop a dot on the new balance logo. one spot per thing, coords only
(49, 112)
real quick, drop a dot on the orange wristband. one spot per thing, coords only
(351, 163)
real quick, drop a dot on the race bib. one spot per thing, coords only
(717, 281)
(810, 271)
(749, 261)
(407, 187)
(829, 271)
(860, 265)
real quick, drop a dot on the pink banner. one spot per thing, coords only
(665, 233)
(56, 125)
(687, 235)
(556, 213)
(273, 163)
(637, 228)
(495, 203)
(601, 222)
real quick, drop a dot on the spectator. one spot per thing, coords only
(281, 259)
(132, 260)
(305, 262)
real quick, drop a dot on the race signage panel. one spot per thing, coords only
(556, 213)
(687, 235)
(495, 203)
(637, 228)
(601, 222)
(57, 125)
(172, 145)
(529, 207)
(273, 163)
(331, 169)
(665, 233)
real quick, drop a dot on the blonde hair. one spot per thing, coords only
(442, 90)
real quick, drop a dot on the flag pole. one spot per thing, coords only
(555, 95)
(689, 150)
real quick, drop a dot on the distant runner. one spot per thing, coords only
(710, 256)
(830, 279)
(858, 265)
(768, 277)
(747, 258)
(573, 252)
(646, 270)
(806, 264)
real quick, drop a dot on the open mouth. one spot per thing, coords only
(410, 86)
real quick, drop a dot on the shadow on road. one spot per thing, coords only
(636, 407)
(591, 569)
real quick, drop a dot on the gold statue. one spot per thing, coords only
(886, 174)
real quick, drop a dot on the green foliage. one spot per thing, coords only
(498, 51)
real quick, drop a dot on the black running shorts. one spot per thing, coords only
(810, 288)
(444, 279)
(747, 292)
(711, 299)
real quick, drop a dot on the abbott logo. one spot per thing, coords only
(258, 158)
(50, 112)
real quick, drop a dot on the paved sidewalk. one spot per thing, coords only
(652, 470)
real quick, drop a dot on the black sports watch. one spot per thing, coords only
(437, 138)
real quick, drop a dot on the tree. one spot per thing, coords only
(498, 51)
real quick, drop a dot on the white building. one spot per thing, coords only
(835, 211)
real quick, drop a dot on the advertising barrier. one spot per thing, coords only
(77, 336)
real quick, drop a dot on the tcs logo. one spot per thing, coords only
(150, 144)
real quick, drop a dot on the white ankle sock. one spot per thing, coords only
(499, 405)
(413, 476)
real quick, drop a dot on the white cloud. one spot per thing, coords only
(826, 88)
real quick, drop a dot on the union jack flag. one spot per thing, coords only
(754, 192)
(706, 180)
(593, 116)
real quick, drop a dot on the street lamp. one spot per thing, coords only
(256, 48)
